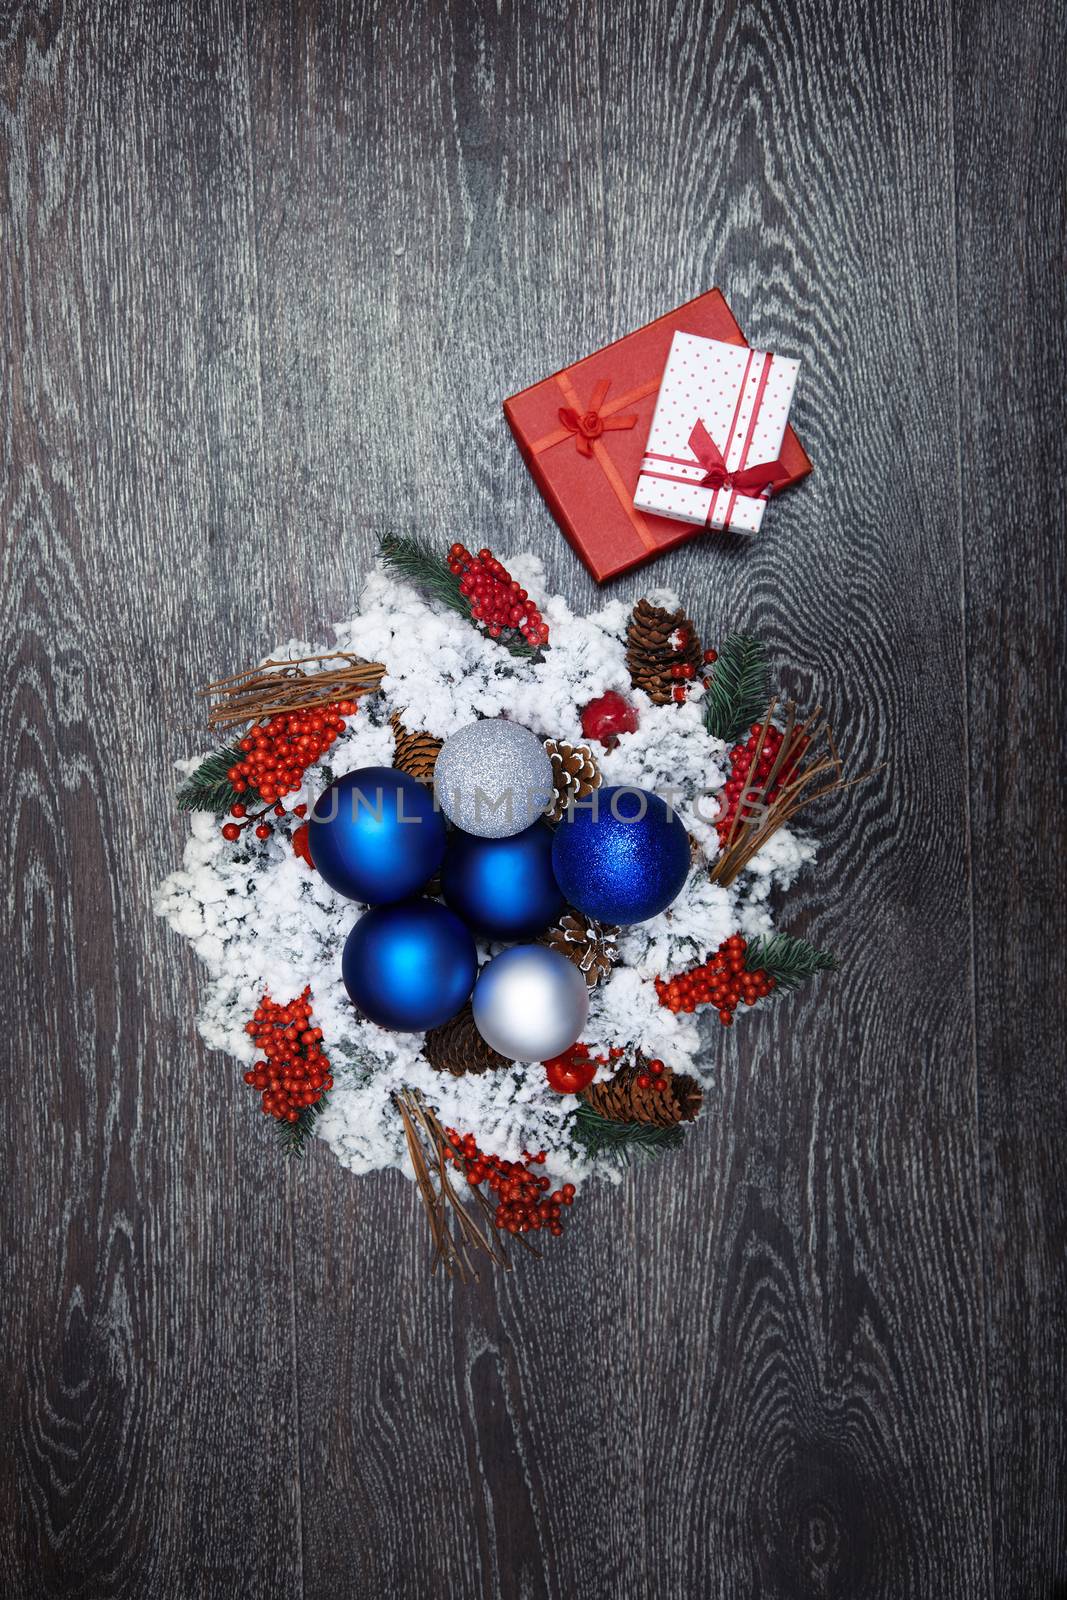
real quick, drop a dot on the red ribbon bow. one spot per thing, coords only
(587, 426)
(763, 478)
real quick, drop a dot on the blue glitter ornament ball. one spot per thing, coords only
(374, 835)
(503, 888)
(622, 859)
(410, 966)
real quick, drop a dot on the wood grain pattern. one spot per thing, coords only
(268, 270)
(1011, 178)
(150, 1427)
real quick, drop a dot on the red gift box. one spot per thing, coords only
(583, 432)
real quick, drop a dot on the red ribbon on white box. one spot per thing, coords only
(759, 481)
(696, 374)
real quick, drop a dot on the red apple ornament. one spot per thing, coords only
(571, 1072)
(605, 718)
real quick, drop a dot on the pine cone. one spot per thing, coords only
(575, 775)
(588, 943)
(656, 641)
(415, 753)
(457, 1047)
(621, 1099)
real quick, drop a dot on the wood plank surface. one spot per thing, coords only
(268, 270)
(1012, 245)
(149, 1413)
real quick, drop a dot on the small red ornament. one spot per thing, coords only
(299, 842)
(571, 1072)
(604, 719)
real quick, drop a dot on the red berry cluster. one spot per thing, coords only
(495, 598)
(684, 672)
(748, 774)
(277, 752)
(722, 981)
(232, 830)
(522, 1206)
(275, 756)
(651, 1075)
(294, 1072)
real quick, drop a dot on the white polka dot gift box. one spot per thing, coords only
(713, 452)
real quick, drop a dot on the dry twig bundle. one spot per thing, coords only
(803, 765)
(280, 686)
(427, 1145)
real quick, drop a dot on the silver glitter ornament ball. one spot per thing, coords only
(530, 1003)
(493, 778)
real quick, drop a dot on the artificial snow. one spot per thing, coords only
(262, 922)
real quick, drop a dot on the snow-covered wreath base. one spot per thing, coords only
(262, 922)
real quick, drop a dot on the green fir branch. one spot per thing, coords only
(411, 560)
(416, 564)
(790, 962)
(294, 1137)
(621, 1141)
(738, 694)
(208, 788)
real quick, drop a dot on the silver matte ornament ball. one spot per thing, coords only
(493, 778)
(530, 1003)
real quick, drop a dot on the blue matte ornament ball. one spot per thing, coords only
(622, 858)
(375, 836)
(503, 888)
(410, 966)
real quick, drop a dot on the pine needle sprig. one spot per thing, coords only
(788, 960)
(208, 788)
(622, 1141)
(294, 1137)
(737, 694)
(422, 567)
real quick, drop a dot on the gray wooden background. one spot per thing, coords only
(267, 273)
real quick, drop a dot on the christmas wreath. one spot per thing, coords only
(470, 884)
